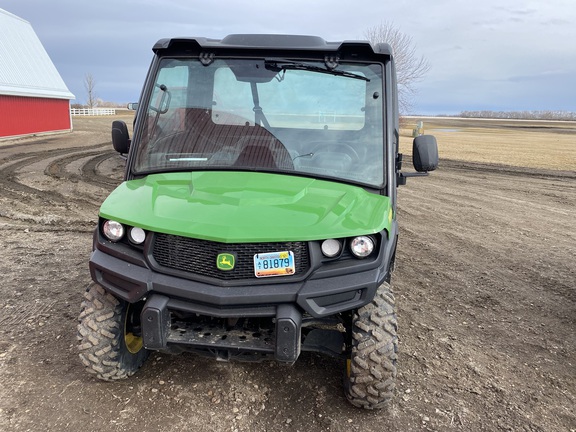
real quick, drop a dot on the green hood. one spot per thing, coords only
(239, 207)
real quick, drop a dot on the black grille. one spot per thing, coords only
(198, 257)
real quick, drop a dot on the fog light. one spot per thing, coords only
(362, 246)
(331, 248)
(113, 230)
(137, 235)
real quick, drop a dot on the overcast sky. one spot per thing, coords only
(484, 55)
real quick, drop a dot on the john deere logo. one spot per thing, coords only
(225, 261)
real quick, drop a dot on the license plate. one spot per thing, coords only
(274, 264)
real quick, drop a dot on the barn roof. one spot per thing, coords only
(25, 67)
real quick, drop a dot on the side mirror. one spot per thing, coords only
(425, 153)
(132, 106)
(120, 137)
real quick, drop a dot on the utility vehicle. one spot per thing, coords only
(257, 216)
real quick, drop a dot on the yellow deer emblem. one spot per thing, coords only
(225, 261)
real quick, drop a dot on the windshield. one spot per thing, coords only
(273, 115)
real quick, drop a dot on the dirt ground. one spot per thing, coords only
(485, 285)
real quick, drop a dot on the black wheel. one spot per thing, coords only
(109, 334)
(371, 369)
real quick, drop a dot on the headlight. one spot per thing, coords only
(136, 235)
(113, 230)
(362, 246)
(331, 248)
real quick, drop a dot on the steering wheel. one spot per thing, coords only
(347, 149)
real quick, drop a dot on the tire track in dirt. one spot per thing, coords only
(50, 199)
(10, 168)
(508, 170)
(90, 172)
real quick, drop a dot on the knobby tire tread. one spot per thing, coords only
(374, 353)
(101, 337)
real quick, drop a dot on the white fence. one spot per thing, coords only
(92, 111)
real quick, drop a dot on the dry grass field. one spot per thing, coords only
(485, 289)
(532, 144)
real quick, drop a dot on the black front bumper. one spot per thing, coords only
(159, 332)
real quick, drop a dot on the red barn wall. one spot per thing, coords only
(30, 115)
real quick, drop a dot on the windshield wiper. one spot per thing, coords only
(279, 65)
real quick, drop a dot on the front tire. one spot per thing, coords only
(371, 369)
(109, 335)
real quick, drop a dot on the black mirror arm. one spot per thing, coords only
(403, 176)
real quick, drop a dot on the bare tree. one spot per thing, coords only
(410, 67)
(89, 85)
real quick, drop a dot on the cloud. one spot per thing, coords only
(485, 54)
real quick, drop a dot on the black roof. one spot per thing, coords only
(275, 42)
